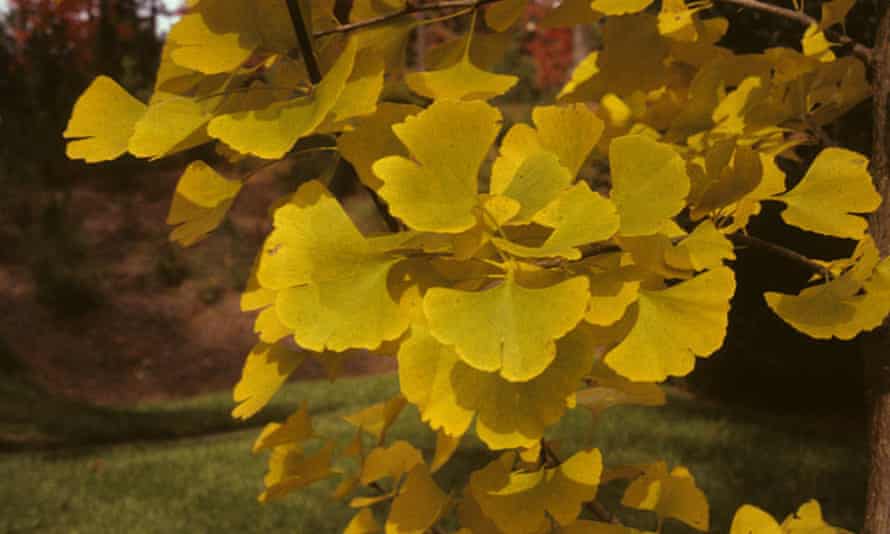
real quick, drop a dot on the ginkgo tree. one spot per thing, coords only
(508, 287)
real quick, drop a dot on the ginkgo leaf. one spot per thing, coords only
(437, 190)
(296, 429)
(373, 139)
(649, 183)
(650, 252)
(102, 122)
(390, 462)
(219, 35)
(815, 44)
(808, 520)
(619, 7)
(312, 239)
(836, 186)
(355, 311)
(169, 125)
(290, 469)
(596, 527)
(501, 15)
(673, 326)
(377, 418)
(446, 445)
(611, 389)
(362, 89)
(749, 519)
(520, 324)
(857, 301)
(449, 393)
(418, 505)
(520, 502)
(578, 216)
(673, 495)
(332, 284)
(834, 12)
(271, 131)
(733, 114)
(614, 285)
(461, 81)
(537, 181)
(363, 523)
(570, 13)
(269, 328)
(704, 248)
(266, 369)
(552, 123)
(201, 201)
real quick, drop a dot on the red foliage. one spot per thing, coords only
(550, 49)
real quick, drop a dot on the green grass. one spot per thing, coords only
(93, 482)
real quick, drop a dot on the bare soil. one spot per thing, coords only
(168, 323)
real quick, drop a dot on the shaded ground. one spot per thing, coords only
(127, 316)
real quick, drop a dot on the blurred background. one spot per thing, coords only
(119, 349)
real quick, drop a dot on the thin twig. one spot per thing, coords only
(409, 9)
(748, 240)
(303, 39)
(860, 50)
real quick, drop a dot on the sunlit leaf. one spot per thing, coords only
(266, 369)
(373, 139)
(670, 495)
(418, 505)
(296, 429)
(200, 203)
(673, 326)
(102, 122)
(437, 190)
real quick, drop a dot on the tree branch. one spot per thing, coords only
(303, 39)
(797, 257)
(409, 9)
(860, 50)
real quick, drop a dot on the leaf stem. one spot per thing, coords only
(860, 50)
(304, 40)
(409, 9)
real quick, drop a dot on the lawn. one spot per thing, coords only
(186, 467)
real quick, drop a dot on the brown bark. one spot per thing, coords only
(876, 345)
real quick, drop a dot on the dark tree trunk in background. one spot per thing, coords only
(876, 345)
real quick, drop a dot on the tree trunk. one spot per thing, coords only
(876, 345)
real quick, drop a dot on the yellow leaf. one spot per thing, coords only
(266, 369)
(552, 123)
(537, 180)
(855, 302)
(418, 505)
(578, 217)
(449, 393)
(373, 139)
(377, 419)
(834, 12)
(570, 13)
(815, 44)
(389, 40)
(649, 183)
(290, 469)
(705, 248)
(508, 328)
(390, 462)
(520, 502)
(169, 125)
(201, 201)
(363, 523)
(611, 389)
(362, 89)
(269, 326)
(270, 132)
(673, 326)
(836, 186)
(733, 114)
(677, 21)
(220, 35)
(673, 495)
(437, 190)
(332, 284)
(446, 444)
(808, 520)
(619, 7)
(461, 81)
(296, 429)
(102, 122)
(749, 519)
(501, 15)
(614, 285)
